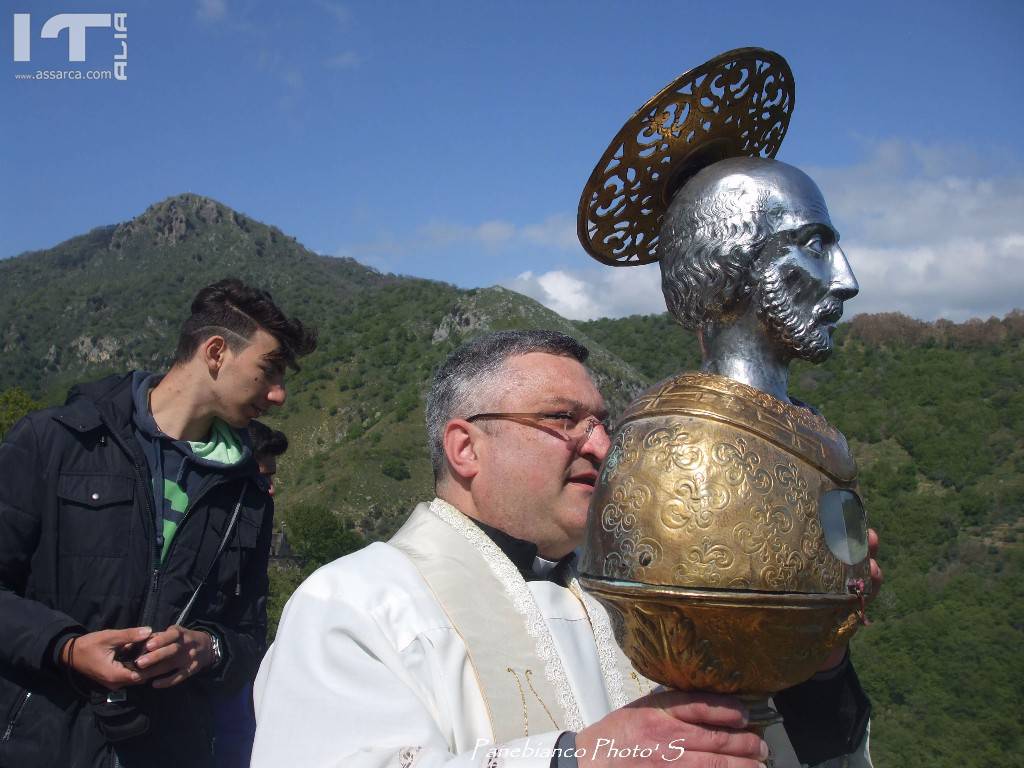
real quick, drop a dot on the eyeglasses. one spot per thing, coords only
(567, 424)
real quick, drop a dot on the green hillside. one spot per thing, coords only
(934, 412)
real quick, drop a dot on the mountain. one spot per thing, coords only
(934, 413)
(113, 300)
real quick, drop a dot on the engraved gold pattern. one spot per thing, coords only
(718, 398)
(737, 104)
(702, 640)
(703, 494)
(722, 485)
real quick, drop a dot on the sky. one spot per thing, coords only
(451, 140)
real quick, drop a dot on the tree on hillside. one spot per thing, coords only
(318, 536)
(15, 403)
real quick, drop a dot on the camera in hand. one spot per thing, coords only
(129, 654)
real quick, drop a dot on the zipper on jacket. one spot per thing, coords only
(14, 716)
(149, 607)
(155, 582)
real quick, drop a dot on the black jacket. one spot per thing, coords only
(77, 554)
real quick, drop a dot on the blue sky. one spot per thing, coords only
(451, 140)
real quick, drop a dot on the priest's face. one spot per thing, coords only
(536, 480)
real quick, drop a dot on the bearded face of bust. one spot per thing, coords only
(754, 235)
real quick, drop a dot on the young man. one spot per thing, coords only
(133, 547)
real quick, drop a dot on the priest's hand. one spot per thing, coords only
(876, 572)
(839, 652)
(685, 730)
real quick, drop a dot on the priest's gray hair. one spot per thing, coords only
(470, 380)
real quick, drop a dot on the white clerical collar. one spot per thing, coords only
(542, 568)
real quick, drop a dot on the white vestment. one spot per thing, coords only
(432, 650)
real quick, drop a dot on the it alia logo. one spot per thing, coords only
(76, 25)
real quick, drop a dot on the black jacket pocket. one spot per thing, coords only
(95, 514)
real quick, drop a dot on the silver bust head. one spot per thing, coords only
(751, 262)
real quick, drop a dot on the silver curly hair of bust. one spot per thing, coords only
(707, 250)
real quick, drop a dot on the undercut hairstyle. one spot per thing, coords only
(466, 382)
(234, 310)
(707, 254)
(266, 441)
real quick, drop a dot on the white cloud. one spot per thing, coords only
(293, 78)
(558, 231)
(930, 231)
(592, 292)
(212, 10)
(494, 232)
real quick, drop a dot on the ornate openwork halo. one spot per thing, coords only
(737, 104)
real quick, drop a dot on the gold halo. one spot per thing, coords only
(738, 104)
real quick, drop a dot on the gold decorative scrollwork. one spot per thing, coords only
(795, 487)
(674, 445)
(706, 562)
(743, 468)
(693, 503)
(620, 518)
(700, 395)
(737, 104)
(709, 467)
(724, 641)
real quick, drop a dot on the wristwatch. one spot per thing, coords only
(218, 655)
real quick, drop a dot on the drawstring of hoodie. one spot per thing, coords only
(232, 526)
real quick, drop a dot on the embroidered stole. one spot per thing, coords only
(518, 669)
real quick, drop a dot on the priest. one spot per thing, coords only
(465, 640)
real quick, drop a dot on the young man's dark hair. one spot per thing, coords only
(266, 441)
(134, 542)
(267, 445)
(232, 309)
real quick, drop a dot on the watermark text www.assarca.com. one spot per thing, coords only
(77, 26)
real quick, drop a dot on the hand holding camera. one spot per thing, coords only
(174, 655)
(96, 656)
(118, 658)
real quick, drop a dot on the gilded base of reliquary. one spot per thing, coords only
(727, 642)
(705, 539)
